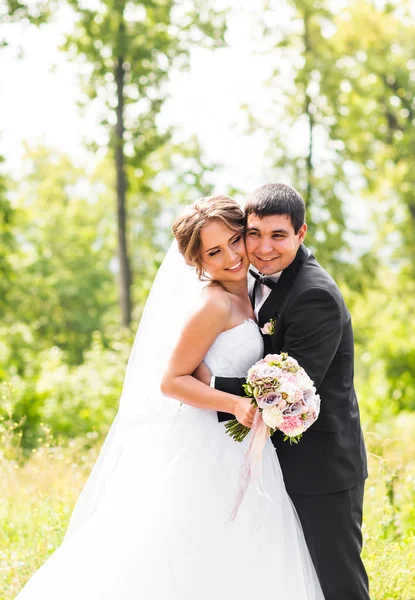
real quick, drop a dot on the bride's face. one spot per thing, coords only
(223, 252)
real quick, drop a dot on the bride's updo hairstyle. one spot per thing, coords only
(188, 226)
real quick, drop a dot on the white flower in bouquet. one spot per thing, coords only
(272, 417)
(288, 390)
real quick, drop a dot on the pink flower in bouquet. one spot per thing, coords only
(293, 409)
(270, 399)
(266, 371)
(285, 395)
(312, 401)
(311, 416)
(298, 396)
(251, 377)
(309, 397)
(272, 358)
(292, 362)
(286, 400)
(287, 377)
(257, 365)
(292, 426)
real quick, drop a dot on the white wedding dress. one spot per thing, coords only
(162, 529)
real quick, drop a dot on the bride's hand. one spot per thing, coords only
(245, 411)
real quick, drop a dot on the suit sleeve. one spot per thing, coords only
(313, 331)
(232, 385)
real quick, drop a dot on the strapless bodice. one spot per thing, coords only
(235, 350)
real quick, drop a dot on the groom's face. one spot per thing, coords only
(272, 243)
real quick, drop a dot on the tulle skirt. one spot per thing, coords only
(162, 530)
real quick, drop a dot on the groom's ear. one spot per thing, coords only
(302, 233)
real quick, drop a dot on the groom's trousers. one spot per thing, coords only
(332, 529)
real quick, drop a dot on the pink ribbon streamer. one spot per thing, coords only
(252, 461)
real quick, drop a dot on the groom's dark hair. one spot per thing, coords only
(277, 199)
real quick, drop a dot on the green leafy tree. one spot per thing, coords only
(304, 149)
(7, 241)
(385, 348)
(33, 12)
(129, 48)
(63, 287)
(375, 115)
(12, 12)
(60, 319)
(7, 245)
(176, 174)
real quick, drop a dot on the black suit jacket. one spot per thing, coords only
(314, 326)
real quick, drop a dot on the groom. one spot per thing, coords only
(306, 316)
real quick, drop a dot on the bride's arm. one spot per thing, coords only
(210, 319)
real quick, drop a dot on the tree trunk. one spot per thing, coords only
(310, 153)
(124, 261)
(309, 114)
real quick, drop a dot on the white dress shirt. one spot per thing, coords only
(262, 292)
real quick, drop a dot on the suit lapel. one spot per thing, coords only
(272, 304)
(251, 290)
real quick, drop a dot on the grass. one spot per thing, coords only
(389, 516)
(37, 496)
(36, 500)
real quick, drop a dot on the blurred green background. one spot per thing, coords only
(178, 100)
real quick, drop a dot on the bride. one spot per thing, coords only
(153, 521)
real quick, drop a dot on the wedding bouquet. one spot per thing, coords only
(285, 396)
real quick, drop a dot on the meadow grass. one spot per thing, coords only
(37, 496)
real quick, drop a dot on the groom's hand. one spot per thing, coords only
(203, 374)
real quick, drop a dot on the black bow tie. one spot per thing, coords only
(262, 279)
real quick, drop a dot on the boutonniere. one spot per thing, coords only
(269, 327)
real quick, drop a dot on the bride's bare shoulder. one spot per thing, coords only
(214, 297)
(211, 313)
